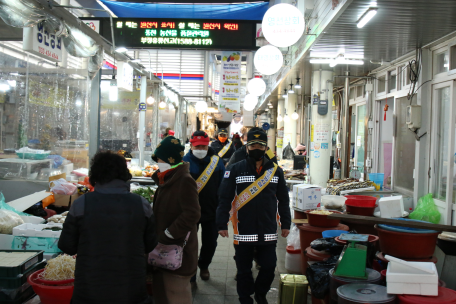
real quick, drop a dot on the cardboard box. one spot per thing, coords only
(308, 197)
(65, 200)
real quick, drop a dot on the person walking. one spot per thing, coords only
(223, 147)
(255, 190)
(111, 230)
(237, 142)
(177, 213)
(241, 153)
(208, 171)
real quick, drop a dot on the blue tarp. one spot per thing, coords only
(251, 11)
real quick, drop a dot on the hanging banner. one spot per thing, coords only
(230, 82)
(50, 95)
(38, 41)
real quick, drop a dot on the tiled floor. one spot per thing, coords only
(221, 288)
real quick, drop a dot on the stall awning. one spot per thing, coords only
(250, 11)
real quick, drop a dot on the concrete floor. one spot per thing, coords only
(221, 288)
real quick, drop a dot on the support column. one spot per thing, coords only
(319, 162)
(142, 121)
(94, 115)
(272, 131)
(177, 121)
(344, 141)
(281, 113)
(155, 123)
(290, 125)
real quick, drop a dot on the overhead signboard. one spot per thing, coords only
(125, 76)
(38, 41)
(185, 33)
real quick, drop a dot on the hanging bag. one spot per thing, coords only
(168, 256)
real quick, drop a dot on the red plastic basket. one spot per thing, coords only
(61, 294)
(360, 201)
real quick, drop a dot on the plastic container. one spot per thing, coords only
(24, 266)
(307, 234)
(380, 256)
(365, 294)
(407, 229)
(293, 260)
(371, 239)
(377, 178)
(316, 255)
(333, 202)
(36, 230)
(361, 201)
(18, 281)
(332, 233)
(405, 245)
(51, 294)
(373, 277)
(35, 156)
(357, 210)
(320, 220)
(446, 296)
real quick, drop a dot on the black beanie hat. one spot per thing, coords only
(169, 150)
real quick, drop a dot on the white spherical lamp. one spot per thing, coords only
(283, 25)
(268, 60)
(250, 102)
(162, 105)
(279, 118)
(201, 106)
(295, 115)
(256, 86)
(286, 118)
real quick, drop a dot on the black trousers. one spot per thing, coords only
(209, 235)
(267, 258)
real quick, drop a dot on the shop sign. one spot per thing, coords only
(268, 60)
(93, 24)
(279, 142)
(230, 86)
(283, 25)
(280, 133)
(38, 41)
(322, 133)
(142, 106)
(125, 76)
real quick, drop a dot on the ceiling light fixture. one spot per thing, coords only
(113, 90)
(285, 93)
(295, 115)
(271, 106)
(121, 50)
(150, 100)
(162, 105)
(366, 17)
(286, 118)
(290, 91)
(266, 109)
(136, 60)
(279, 118)
(297, 85)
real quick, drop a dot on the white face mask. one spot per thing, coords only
(163, 167)
(245, 142)
(200, 153)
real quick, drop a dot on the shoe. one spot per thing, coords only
(205, 274)
(261, 299)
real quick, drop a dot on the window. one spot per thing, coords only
(360, 137)
(392, 78)
(441, 62)
(404, 149)
(386, 141)
(359, 91)
(352, 93)
(442, 140)
(453, 57)
(381, 84)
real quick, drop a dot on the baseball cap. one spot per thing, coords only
(223, 131)
(199, 138)
(257, 137)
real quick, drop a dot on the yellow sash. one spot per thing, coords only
(254, 189)
(224, 150)
(207, 173)
(270, 154)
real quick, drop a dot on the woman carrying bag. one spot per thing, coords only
(177, 212)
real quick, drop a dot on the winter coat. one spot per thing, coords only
(111, 230)
(177, 209)
(257, 220)
(218, 146)
(208, 198)
(241, 154)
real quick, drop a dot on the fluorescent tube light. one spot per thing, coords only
(366, 17)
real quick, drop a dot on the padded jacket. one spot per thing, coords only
(256, 222)
(218, 146)
(111, 230)
(208, 198)
(241, 154)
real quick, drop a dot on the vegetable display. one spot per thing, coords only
(145, 192)
(59, 269)
(58, 218)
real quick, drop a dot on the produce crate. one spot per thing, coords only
(25, 294)
(47, 244)
(14, 271)
(36, 230)
(18, 281)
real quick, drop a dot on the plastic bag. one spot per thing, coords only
(61, 186)
(9, 220)
(327, 244)
(293, 239)
(318, 277)
(288, 152)
(426, 210)
(5, 206)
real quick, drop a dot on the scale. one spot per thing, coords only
(352, 260)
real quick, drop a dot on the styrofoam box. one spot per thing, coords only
(308, 196)
(413, 278)
(36, 230)
(391, 207)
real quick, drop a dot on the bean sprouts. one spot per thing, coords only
(60, 268)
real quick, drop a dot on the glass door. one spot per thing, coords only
(443, 149)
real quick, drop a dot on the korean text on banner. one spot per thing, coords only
(230, 86)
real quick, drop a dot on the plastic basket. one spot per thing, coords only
(377, 178)
(360, 201)
(32, 155)
(332, 233)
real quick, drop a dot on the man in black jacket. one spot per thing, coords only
(223, 146)
(241, 153)
(260, 190)
(111, 230)
(205, 163)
